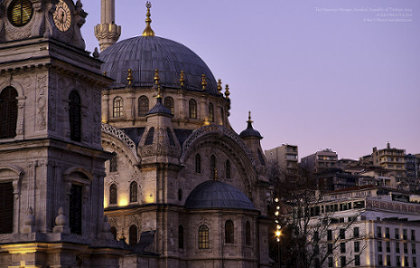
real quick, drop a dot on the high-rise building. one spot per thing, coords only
(286, 157)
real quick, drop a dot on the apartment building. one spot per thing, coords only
(286, 156)
(320, 160)
(391, 159)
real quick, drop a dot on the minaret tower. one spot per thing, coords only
(107, 32)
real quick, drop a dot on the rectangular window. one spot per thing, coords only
(405, 234)
(356, 232)
(378, 231)
(342, 233)
(343, 261)
(414, 262)
(379, 246)
(413, 248)
(388, 246)
(398, 261)
(356, 246)
(329, 235)
(6, 207)
(406, 264)
(397, 247)
(343, 247)
(357, 260)
(405, 248)
(76, 209)
(330, 262)
(387, 232)
(380, 262)
(388, 260)
(330, 249)
(397, 234)
(413, 235)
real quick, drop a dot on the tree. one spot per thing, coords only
(312, 233)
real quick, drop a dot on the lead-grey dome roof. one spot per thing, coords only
(144, 54)
(216, 194)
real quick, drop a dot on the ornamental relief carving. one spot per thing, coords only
(41, 102)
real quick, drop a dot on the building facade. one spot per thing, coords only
(320, 160)
(286, 157)
(391, 159)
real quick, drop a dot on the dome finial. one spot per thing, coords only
(148, 30)
(182, 79)
(219, 85)
(130, 77)
(157, 79)
(227, 92)
(249, 118)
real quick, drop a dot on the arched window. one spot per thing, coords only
(114, 232)
(113, 194)
(143, 105)
(248, 233)
(197, 163)
(227, 169)
(169, 103)
(75, 116)
(193, 109)
(8, 113)
(133, 192)
(132, 236)
(118, 110)
(211, 112)
(213, 167)
(203, 237)
(75, 217)
(180, 236)
(113, 163)
(149, 137)
(180, 194)
(229, 232)
(6, 208)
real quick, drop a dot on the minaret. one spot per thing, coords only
(107, 32)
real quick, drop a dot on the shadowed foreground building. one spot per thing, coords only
(181, 188)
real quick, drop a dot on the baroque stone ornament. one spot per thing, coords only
(117, 133)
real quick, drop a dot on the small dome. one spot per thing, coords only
(144, 54)
(250, 132)
(159, 108)
(216, 194)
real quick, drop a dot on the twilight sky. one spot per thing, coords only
(339, 74)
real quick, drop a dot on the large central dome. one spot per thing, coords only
(144, 54)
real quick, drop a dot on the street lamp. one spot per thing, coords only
(277, 234)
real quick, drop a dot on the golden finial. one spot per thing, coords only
(215, 175)
(156, 77)
(104, 73)
(203, 81)
(130, 77)
(148, 30)
(249, 118)
(182, 79)
(159, 95)
(219, 85)
(227, 92)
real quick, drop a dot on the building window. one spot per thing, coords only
(329, 235)
(356, 232)
(357, 260)
(413, 248)
(387, 232)
(342, 233)
(6, 208)
(229, 232)
(405, 248)
(397, 234)
(75, 116)
(248, 233)
(114, 232)
(193, 109)
(380, 261)
(180, 236)
(133, 192)
(397, 261)
(228, 169)
(343, 247)
(406, 264)
(379, 246)
(179, 194)
(414, 262)
(388, 260)
(356, 246)
(197, 163)
(413, 235)
(378, 231)
(405, 234)
(113, 163)
(213, 167)
(397, 247)
(143, 105)
(132, 239)
(330, 262)
(75, 215)
(343, 261)
(117, 108)
(203, 237)
(329, 248)
(211, 112)
(388, 246)
(8, 112)
(149, 137)
(222, 115)
(113, 194)
(169, 103)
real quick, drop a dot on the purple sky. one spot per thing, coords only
(339, 74)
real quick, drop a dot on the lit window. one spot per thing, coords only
(113, 194)
(133, 192)
(193, 109)
(211, 112)
(203, 237)
(118, 110)
(143, 104)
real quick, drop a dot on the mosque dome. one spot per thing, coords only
(215, 194)
(144, 54)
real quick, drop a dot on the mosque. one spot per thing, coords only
(123, 158)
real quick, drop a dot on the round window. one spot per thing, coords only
(20, 12)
